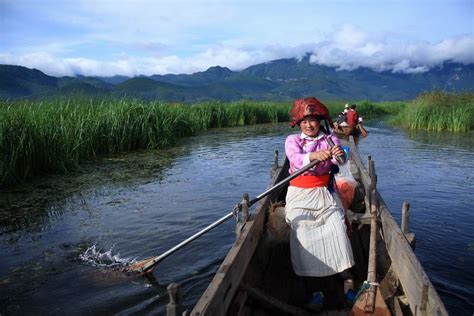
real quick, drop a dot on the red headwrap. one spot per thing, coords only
(308, 106)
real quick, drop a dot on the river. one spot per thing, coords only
(62, 236)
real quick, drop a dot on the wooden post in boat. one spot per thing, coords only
(245, 213)
(405, 217)
(245, 207)
(275, 161)
(372, 174)
(174, 306)
(406, 223)
(372, 268)
(372, 300)
(368, 187)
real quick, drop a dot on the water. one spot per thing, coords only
(64, 240)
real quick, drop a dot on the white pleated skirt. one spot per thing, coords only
(318, 240)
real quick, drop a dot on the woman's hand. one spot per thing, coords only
(321, 155)
(337, 151)
(324, 155)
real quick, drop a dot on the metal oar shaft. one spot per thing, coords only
(154, 261)
(157, 259)
(283, 182)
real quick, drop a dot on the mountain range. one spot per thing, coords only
(283, 79)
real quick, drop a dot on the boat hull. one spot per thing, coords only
(256, 277)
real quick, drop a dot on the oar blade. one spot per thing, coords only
(138, 266)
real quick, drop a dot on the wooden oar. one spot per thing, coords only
(147, 265)
(362, 130)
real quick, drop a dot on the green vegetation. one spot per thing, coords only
(367, 109)
(56, 135)
(431, 111)
(438, 111)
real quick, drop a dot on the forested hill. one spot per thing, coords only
(276, 80)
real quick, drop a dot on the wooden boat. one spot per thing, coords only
(347, 130)
(256, 277)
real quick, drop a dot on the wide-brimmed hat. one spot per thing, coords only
(308, 107)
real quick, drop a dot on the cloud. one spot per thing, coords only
(347, 48)
(350, 48)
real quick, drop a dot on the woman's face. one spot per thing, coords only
(310, 126)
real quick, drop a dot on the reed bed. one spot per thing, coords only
(56, 135)
(367, 109)
(438, 111)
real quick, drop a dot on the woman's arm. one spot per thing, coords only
(294, 152)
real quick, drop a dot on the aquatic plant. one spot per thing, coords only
(368, 109)
(438, 111)
(56, 135)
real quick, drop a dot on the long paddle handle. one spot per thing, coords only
(283, 182)
(155, 260)
(159, 258)
(339, 159)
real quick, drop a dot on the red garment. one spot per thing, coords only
(310, 181)
(352, 118)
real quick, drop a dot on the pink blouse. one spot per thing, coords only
(298, 147)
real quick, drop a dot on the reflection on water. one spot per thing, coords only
(59, 241)
(29, 208)
(444, 140)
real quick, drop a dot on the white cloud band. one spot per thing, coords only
(346, 49)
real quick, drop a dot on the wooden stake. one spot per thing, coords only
(173, 308)
(245, 213)
(245, 207)
(275, 160)
(405, 217)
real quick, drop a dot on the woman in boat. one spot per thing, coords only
(318, 241)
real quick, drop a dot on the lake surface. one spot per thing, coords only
(61, 237)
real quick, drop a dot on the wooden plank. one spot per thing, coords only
(420, 293)
(220, 292)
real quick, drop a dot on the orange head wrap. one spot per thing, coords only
(308, 106)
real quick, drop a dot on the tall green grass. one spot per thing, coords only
(432, 111)
(56, 135)
(368, 109)
(438, 111)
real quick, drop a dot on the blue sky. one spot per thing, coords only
(133, 37)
